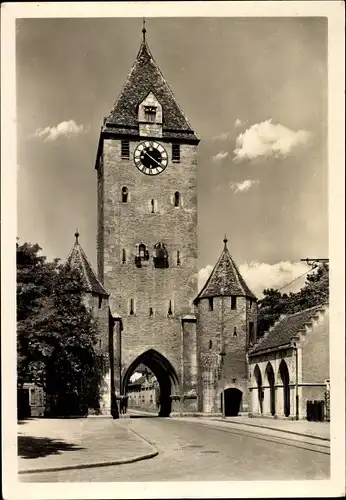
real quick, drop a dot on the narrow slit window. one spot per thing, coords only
(210, 344)
(233, 302)
(100, 343)
(100, 302)
(170, 309)
(178, 258)
(251, 332)
(177, 199)
(152, 206)
(132, 310)
(124, 256)
(211, 304)
(235, 331)
(151, 311)
(125, 149)
(124, 194)
(176, 153)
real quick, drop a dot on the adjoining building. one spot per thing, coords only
(289, 367)
(143, 393)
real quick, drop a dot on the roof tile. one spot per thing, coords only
(284, 330)
(144, 77)
(225, 279)
(77, 259)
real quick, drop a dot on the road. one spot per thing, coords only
(195, 450)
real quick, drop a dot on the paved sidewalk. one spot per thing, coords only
(62, 444)
(319, 430)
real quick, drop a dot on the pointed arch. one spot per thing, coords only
(271, 382)
(284, 377)
(258, 377)
(164, 372)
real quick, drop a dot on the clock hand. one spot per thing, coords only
(152, 158)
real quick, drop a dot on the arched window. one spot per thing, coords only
(142, 254)
(141, 251)
(235, 331)
(177, 199)
(160, 255)
(124, 194)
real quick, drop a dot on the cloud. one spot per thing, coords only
(238, 123)
(64, 129)
(243, 186)
(203, 275)
(220, 156)
(221, 137)
(260, 275)
(267, 139)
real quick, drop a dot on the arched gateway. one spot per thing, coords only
(165, 374)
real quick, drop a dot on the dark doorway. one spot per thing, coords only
(233, 399)
(165, 376)
(285, 379)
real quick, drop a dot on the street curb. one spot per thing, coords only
(274, 429)
(92, 465)
(138, 458)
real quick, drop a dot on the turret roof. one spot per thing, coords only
(77, 259)
(225, 279)
(145, 77)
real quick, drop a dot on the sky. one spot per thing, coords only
(255, 92)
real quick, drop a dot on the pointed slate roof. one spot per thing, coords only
(145, 77)
(77, 259)
(285, 329)
(225, 279)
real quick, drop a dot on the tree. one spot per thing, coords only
(274, 304)
(35, 277)
(57, 334)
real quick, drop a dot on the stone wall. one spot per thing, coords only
(209, 345)
(122, 226)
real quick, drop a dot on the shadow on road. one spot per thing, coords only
(23, 421)
(36, 447)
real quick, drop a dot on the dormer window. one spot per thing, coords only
(150, 113)
(160, 256)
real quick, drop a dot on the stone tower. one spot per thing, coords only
(147, 233)
(226, 327)
(96, 300)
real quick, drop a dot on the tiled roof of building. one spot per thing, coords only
(225, 279)
(77, 259)
(285, 329)
(145, 77)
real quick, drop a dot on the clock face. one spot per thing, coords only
(150, 158)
